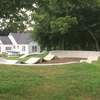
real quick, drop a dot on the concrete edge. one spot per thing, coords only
(55, 64)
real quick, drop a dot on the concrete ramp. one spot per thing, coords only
(23, 56)
(12, 61)
(89, 55)
(76, 54)
(90, 59)
(6, 61)
(3, 60)
(49, 57)
(32, 60)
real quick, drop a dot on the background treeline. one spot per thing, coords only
(68, 24)
(58, 24)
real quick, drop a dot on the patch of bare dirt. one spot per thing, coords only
(62, 60)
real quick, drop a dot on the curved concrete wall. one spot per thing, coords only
(76, 54)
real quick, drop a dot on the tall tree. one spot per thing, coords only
(88, 15)
(67, 24)
(12, 16)
(9, 8)
(52, 23)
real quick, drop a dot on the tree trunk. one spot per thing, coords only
(63, 43)
(95, 40)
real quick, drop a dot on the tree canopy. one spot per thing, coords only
(12, 16)
(59, 24)
(9, 8)
(68, 24)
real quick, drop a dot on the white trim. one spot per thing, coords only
(12, 39)
(1, 42)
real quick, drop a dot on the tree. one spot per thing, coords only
(21, 23)
(13, 17)
(52, 25)
(67, 23)
(9, 8)
(88, 22)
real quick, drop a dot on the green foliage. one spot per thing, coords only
(67, 24)
(62, 25)
(59, 24)
(18, 20)
(3, 55)
(9, 8)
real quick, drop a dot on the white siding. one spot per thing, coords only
(33, 44)
(0, 42)
(26, 51)
(3, 48)
(19, 47)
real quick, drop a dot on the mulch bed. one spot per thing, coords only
(62, 60)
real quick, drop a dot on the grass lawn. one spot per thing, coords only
(12, 57)
(67, 82)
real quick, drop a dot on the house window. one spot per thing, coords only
(14, 47)
(34, 48)
(23, 48)
(8, 48)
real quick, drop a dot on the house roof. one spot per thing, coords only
(22, 38)
(5, 40)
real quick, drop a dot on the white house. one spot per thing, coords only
(20, 43)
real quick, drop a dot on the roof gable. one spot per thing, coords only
(22, 38)
(5, 40)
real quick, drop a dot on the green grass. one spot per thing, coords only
(67, 82)
(12, 57)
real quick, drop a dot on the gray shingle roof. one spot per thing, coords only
(5, 40)
(22, 38)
